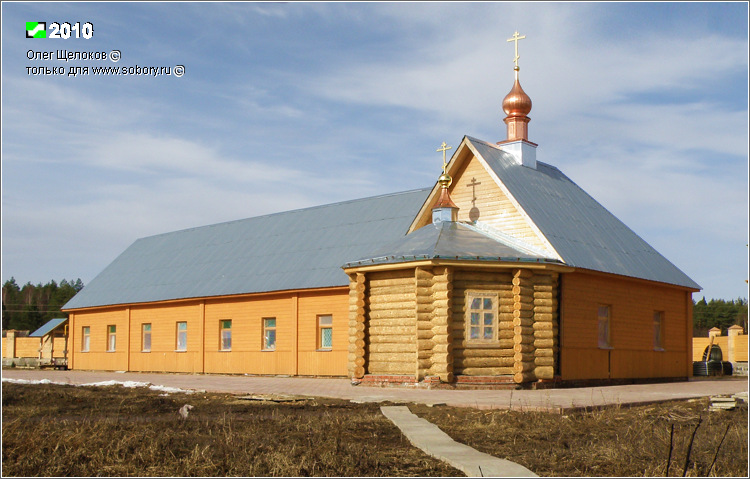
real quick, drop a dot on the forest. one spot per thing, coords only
(30, 306)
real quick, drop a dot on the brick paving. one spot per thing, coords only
(547, 399)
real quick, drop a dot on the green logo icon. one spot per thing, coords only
(36, 30)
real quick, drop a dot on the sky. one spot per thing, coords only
(290, 105)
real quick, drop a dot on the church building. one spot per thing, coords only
(503, 272)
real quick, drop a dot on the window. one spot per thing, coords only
(325, 331)
(659, 330)
(85, 339)
(111, 337)
(481, 316)
(146, 337)
(269, 334)
(604, 334)
(182, 336)
(226, 334)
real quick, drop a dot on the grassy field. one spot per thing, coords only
(617, 442)
(51, 430)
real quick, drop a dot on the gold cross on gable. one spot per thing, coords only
(444, 147)
(515, 38)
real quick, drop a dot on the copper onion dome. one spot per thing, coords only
(517, 102)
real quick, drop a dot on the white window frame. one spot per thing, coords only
(481, 313)
(181, 332)
(145, 332)
(325, 322)
(222, 344)
(267, 344)
(111, 338)
(85, 339)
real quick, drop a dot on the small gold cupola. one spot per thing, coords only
(517, 105)
(444, 208)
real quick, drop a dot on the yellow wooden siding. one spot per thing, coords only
(164, 355)
(5, 351)
(247, 354)
(632, 303)
(295, 354)
(311, 360)
(98, 357)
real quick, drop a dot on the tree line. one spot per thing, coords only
(30, 306)
(718, 313)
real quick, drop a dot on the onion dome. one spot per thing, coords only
(517, 102)
(517, 105)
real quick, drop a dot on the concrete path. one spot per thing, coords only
(557, 400)
(429, 438)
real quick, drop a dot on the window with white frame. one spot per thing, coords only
(481, 316)
(146, 337)
(181, 336)
(225, 334)
(325, 331)
(111, 337)
(85, 339)
(269, 334)
(604, 319)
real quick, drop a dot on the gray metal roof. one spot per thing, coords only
(447, 240)
(582, 231)
(48, 327)
(292, 250)
(306, 248)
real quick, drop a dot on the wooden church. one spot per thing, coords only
(503, 272)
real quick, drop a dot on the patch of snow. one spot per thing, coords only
(127, 384)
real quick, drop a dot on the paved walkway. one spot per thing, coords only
(429, 438)
(549, 399)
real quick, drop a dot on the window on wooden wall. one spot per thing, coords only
(604, 319)
(325, 331)
(182, 336)
(146, 337)
(481, 316)
(111, 337)
(659, 330)
(269, 334)
(225, 334)
(85, 339)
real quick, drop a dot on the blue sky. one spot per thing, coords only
(290, 105)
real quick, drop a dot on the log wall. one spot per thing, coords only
(390, 313)
(482, 359)
(434, 322)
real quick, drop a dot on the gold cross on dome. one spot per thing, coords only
(444, 147)
(515, 38)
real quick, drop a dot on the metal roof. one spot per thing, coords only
(306, 248)
(48, 327)
(580, 229)
(447, 240)
(297, 249)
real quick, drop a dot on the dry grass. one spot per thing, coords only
(51, 430)
(617, 442)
